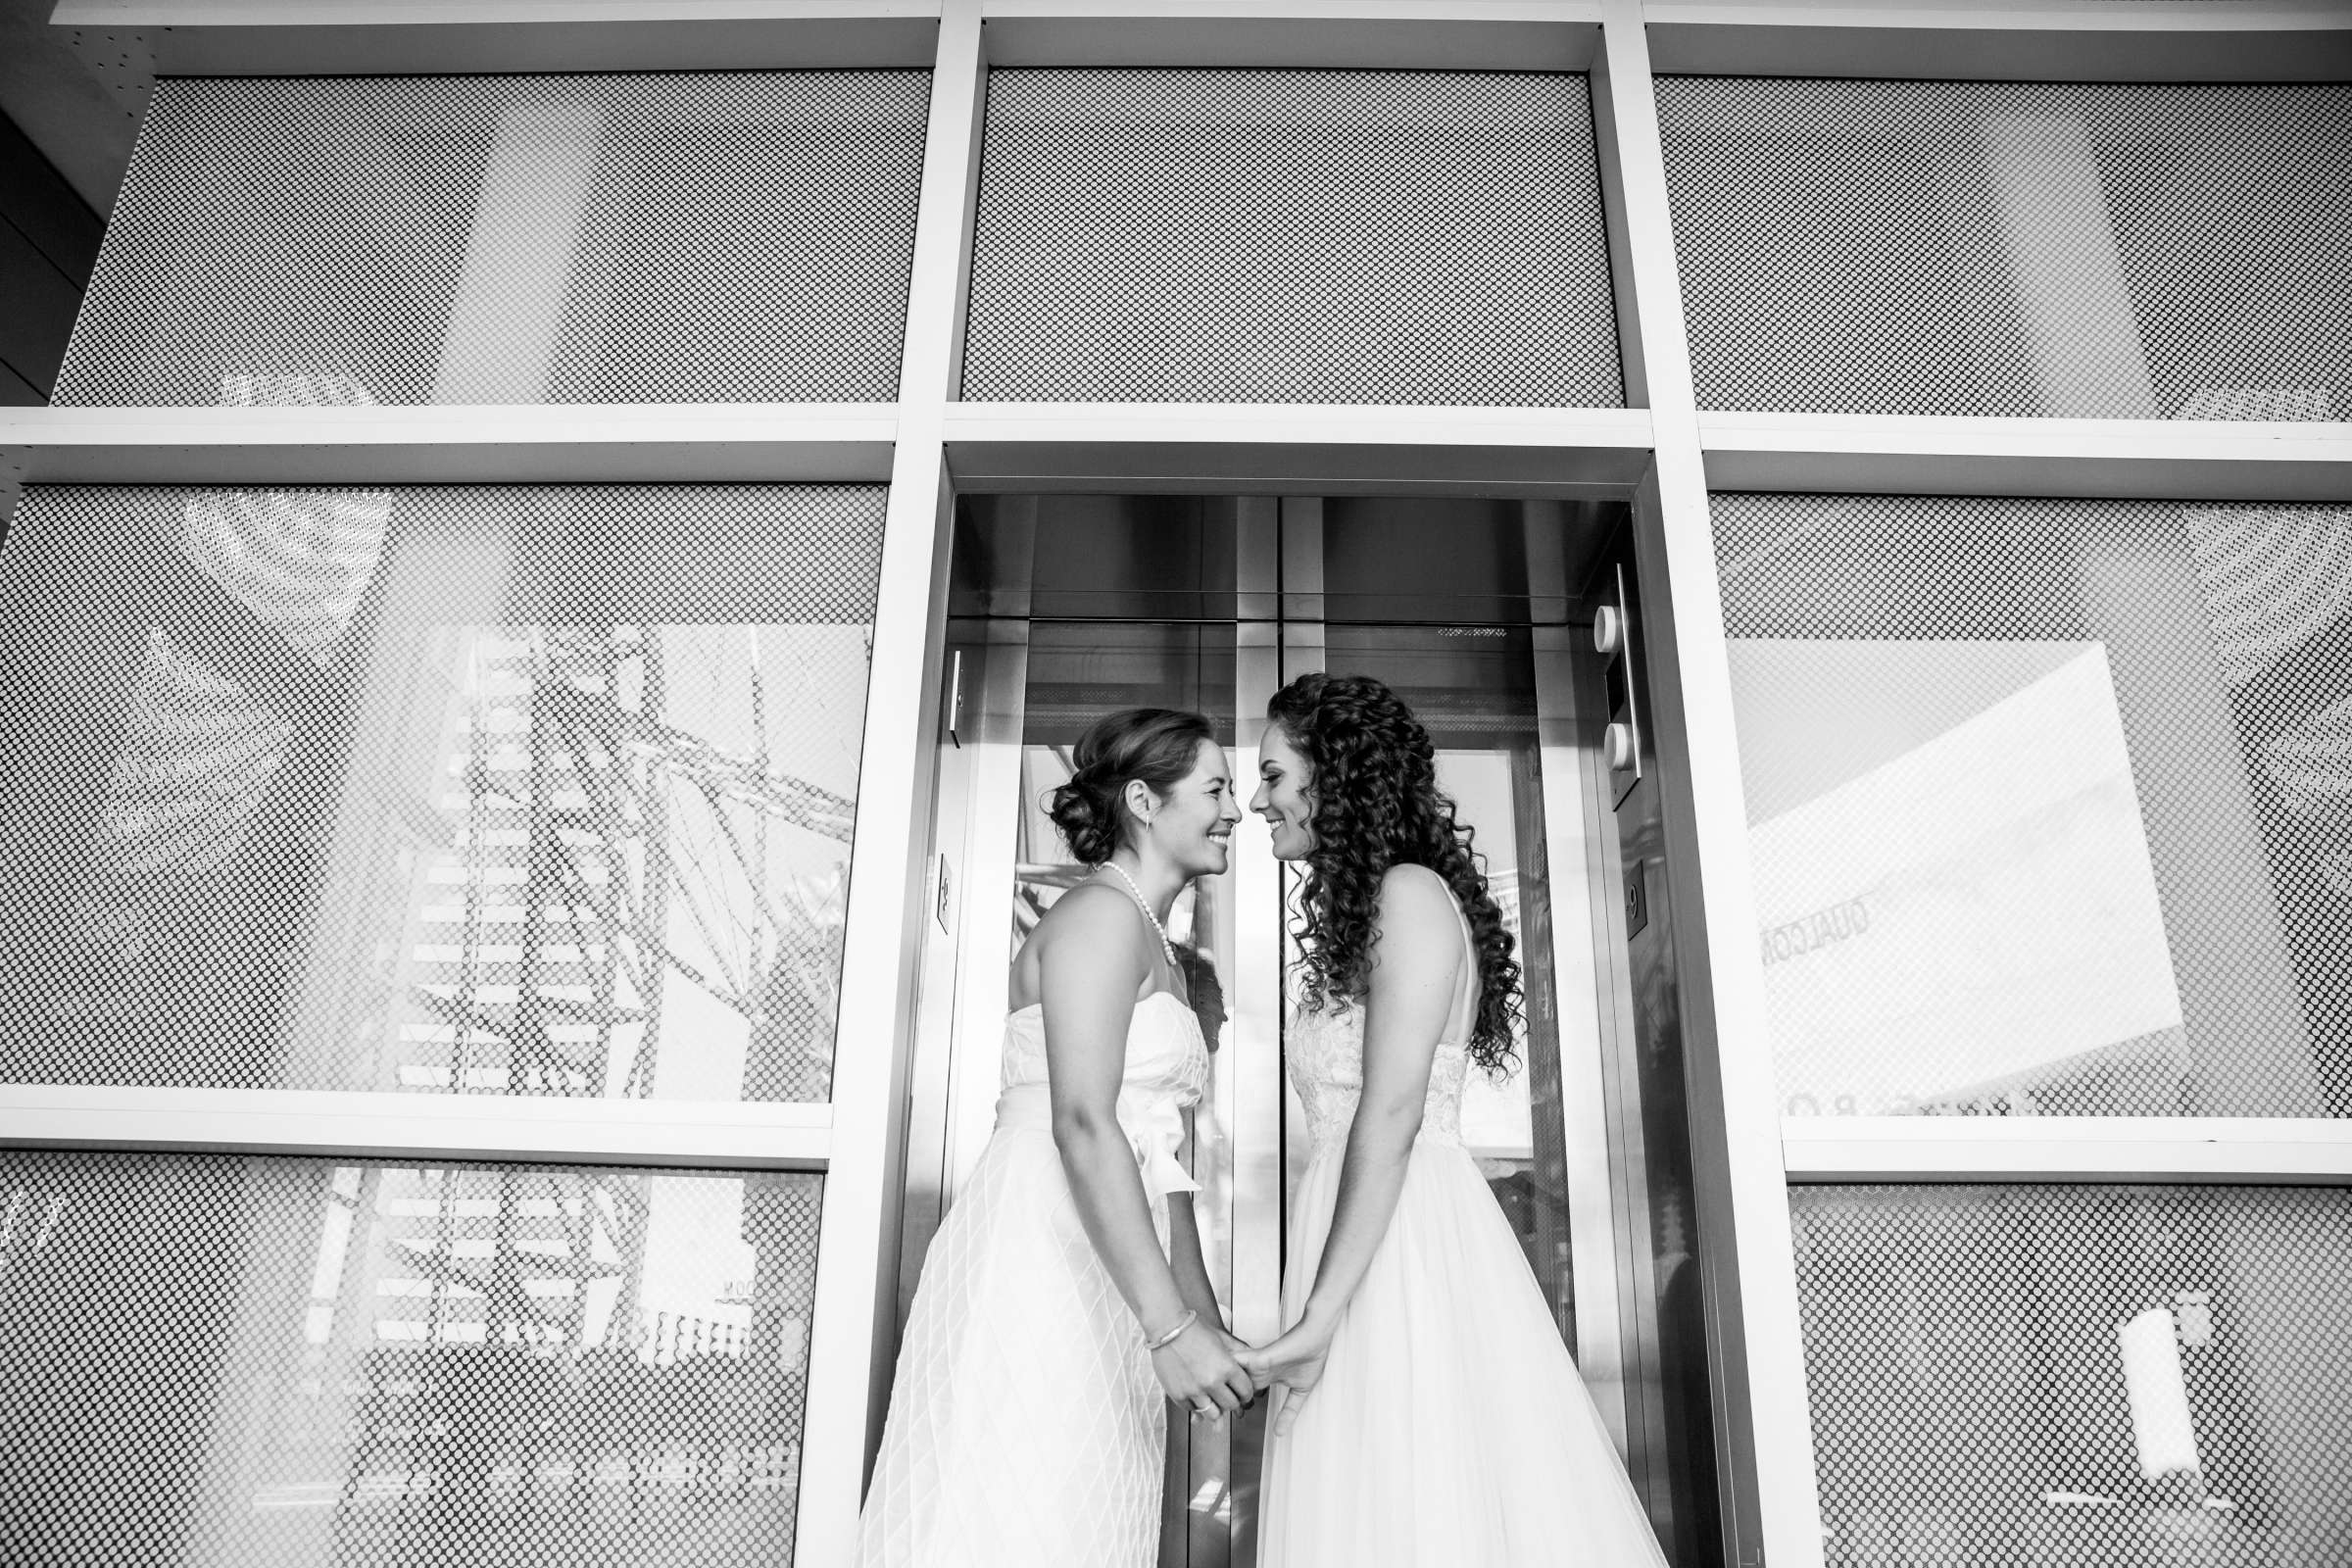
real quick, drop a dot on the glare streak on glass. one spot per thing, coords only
(727, 236)
(2044, 250)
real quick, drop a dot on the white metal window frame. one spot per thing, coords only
(1664, 453)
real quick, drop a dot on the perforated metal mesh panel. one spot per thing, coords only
(740, 236)
(2050, 803)
(2101, 251)
(1307, 237)
(503, 789)
(215, 1363)
(2078, 1377)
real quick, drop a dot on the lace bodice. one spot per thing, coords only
(1325, 1056)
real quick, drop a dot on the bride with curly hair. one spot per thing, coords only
(1426, 1410)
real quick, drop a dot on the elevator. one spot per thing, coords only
(1513, 629)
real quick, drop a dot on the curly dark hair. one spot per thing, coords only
(1162, 746)
(1376, 802)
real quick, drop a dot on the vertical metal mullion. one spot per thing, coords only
(1771, 1504)
(850, 1335)
(1255, 1001)
(1304, 646)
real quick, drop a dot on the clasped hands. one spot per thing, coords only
(1214, 1373)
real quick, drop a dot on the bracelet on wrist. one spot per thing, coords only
(1190, 1318)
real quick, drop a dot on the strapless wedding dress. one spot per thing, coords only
(1449, 1426)
(1026, 1428)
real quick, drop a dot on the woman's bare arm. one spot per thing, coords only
(1089, 973)
(1185, 1259)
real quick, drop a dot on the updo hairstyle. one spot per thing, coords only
(1158, 744)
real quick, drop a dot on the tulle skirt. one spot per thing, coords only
(1451, 1426)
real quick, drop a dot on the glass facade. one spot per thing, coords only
(474, 902)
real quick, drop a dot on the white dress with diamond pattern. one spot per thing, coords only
(1450, 1425)
(1026, 1428)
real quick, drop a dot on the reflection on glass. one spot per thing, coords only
(1949, 853)
(626, 858)
(371, 1364)
(491, 791)
(1100, 559)
(2047, 801)
(2064, 1375)
(197, 754)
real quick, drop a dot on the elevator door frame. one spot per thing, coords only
(961, 1004)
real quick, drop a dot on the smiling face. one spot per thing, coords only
(1283, 778)
(1191, 824)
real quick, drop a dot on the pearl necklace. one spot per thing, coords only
(1161, 931)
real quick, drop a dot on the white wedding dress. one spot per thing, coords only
(1451, 1426)
(1026, 1427)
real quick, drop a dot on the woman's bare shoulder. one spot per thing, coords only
(1414, 893)
(1089, 912)
(1095, 920)
(1087, 921)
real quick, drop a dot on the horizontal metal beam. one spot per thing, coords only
(2221, 1150)
(2122, 458)
(574, 444)
(2021, 41)
(1075, 446)
(137, 40)
(1279, 448)
(129, 43)
(353, 1125)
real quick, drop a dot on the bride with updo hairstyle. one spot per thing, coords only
(1157, 747)
(1064, 1302)
(1425, 1409)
